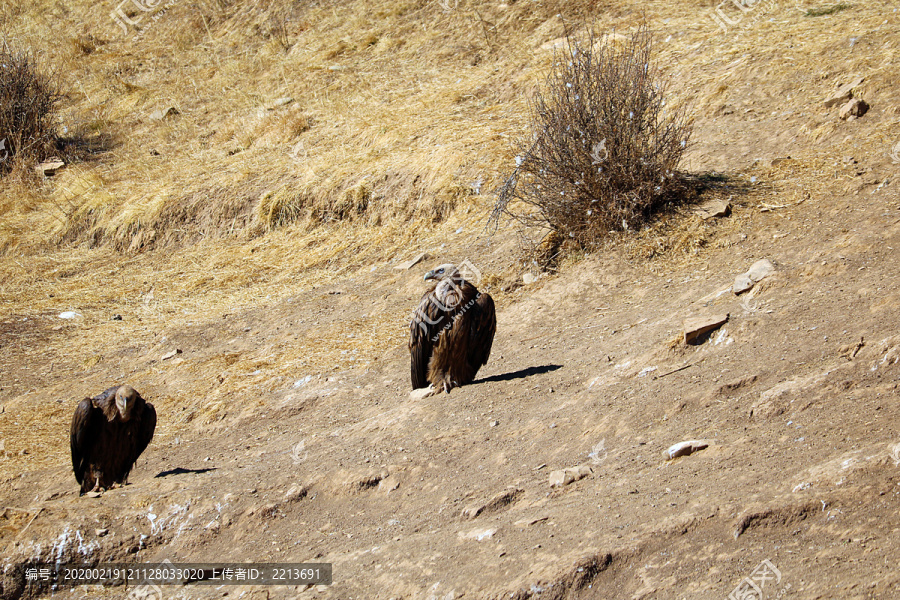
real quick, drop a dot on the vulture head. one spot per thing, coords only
(442, 272)
(126, 398)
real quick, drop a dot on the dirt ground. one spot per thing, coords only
(287, 434)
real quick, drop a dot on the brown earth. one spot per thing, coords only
(287, 434)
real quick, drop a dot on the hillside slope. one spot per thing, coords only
(286, 430)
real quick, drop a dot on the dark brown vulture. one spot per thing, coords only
(109, 432)
(451, 332)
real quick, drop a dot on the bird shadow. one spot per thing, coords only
(181, 471)
(520, 374)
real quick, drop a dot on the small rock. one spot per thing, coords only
(296, 493)
(712, 209)
(742, 283)
(389, 484)
(213, 526)
(532, 521)
(685, 448)
(69, 314)
(528, 278)
(101, 532)
(760, 270)
(302, 381)
(171, 354)
(559, 479)
(411, 263)
(843, 93)
(494, 423)
(696, 328)
(421, 393)
(497, 502)
(50, 166)
(281, 102)
(479, 535)
(564, 477)
(116, 318)
(853, 109)
(159, 115)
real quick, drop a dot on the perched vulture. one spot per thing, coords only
(109, 432)
(451, 332)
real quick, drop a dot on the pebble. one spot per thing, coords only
(159, 115)
(757, 272)
(697, 327)
(411, 263)
(281, 102)
(761, 269)
(479, 535)
(685, 449)
(522, 523)
(421, 393)
(50, 167)
(853, 109)
(712, 209)
(564, 477)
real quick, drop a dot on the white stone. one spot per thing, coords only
(685, 448)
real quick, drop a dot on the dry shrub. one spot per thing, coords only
(28, 102)
(604, 147)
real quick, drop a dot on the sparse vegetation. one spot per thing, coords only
(828, 10)
(28, 101)
(604, 147)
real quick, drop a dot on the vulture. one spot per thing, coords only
(451, 332)
(109, 432)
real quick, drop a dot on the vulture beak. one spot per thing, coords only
(429, 275)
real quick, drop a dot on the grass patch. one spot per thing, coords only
(829, 10)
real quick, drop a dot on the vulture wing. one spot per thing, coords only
(426, 323)
(482, 327)
(86, 423)
(145, 433)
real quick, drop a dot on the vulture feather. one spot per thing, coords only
(109, 432)
(451, 332)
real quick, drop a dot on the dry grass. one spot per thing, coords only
(385, 121)
(603, 149)
(28, 104)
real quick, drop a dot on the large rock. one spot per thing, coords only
(843, 93)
